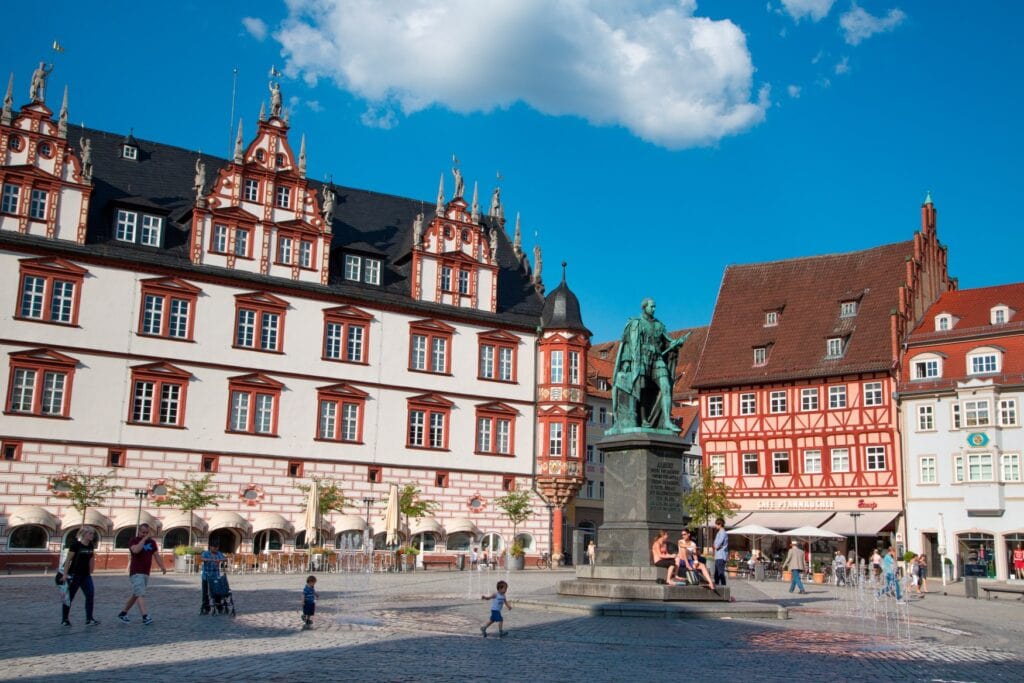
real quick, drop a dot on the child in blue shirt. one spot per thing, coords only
(309, 596)
(498, 600)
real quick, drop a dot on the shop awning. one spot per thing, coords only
(736, 519)
(868, 523)
(270, 520)
(426, 525)
(20, 516)
(350, 523)
(462, 526)
(185, 520)
(73, 518)
(127, 518)
(781, 521)
(228, 520)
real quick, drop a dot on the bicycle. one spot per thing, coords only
(544, 561)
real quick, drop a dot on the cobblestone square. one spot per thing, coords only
(425, 626)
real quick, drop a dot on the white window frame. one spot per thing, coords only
(251, 190)
(151, 232)
(37, 204)
(779, 457)
(812, 461)
(834, 347)
(809, 399)
(1008, 413)
(11, 198)
(716, 406)
(125, 225)
(305, 254)
(926, 418)
(955, 416)
(1000, 315)
(760, 355)
(985, 362)
(980, 467)
(717, 465)
(771, 319)
(220, 238)
(959, 474)
(976, 413)
(748, 404)
(556, 367)
(130, 152)
(1009, 467)
(839, 459)
(847, 309)
(873, 396)
(926, 368)
(927, 470)
(283, 197)
(874, 458)
(837, 399)
(777, 402)
(574, 367)
(371, 271)
(353, 267)
(750, 459)
(943, 323)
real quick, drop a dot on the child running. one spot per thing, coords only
(498, 600)
(309, 596)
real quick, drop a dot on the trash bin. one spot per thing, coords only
(460, 562)
(971, 587)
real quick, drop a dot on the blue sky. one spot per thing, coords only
(647, 143)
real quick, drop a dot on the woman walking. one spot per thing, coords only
(77, 571)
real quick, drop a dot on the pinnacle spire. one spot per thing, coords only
(440, 197)
(302, 156)
(62, 121)
(239, 150)
(6, 115)
(476, 203)
(928, 197)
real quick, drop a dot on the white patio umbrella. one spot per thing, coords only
(811, 533)
(942, 546)
(312, 522)
(752, 531)
(391, 514)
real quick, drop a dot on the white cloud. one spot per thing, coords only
(794, 91)
(815, 9)
(843, 66)
(384, 118)
(314, 105)
(652, 67)
(858, 25)
(256, 27)
(817, 58)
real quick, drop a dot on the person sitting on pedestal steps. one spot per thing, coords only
(661, 557)
(690, 563)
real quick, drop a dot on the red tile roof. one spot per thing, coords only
(807, 293)
(972, 310)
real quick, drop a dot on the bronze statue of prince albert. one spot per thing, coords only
(643, 376)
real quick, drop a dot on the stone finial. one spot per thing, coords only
(494, 245)
(85, 145)
(199, 182)
(476, 204)
(417, 231)
(517, 240)
(538, 265)
(62, 120)
(440, 197)
(287, 115)
(263, 111)
(7, 115)
(302, 156)
(239, 149)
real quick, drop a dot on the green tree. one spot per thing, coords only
(411, 506)
(188, 495)
(83, 490)
(708, 499)
(332, 498)
(516, 506)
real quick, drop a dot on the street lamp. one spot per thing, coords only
(856, 544)
(141, 494)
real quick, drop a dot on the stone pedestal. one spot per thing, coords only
(643, 481)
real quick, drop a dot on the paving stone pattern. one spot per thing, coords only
(424, 626)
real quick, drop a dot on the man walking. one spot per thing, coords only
(796, 565)
(721, 551)
(143, 549)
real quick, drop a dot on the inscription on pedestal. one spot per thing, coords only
(663, 491)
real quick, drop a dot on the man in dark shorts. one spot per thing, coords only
(144, 550)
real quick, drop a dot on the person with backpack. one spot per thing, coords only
(212, 559)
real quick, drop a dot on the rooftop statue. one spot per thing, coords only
(329, 201)
(37, 89)
(200, 179)
(460, 185)
(275, 98)
(643, 376)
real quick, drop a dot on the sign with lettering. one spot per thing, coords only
(663, 489)
(796, 504)
(867, 504)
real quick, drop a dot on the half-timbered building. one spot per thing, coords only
(797, 382)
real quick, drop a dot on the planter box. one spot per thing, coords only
(517, 563)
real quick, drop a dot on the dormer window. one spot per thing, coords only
(835, 347)
(926, 368)
(130, 152)
(983, 361)
(760, 355)
(943, 322)
(362, 269)
(138, 228)
(771, 318)
(999, 315)
(847, 309)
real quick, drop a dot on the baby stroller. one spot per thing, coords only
(221, 600)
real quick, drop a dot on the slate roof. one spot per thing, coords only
(368, 222)
(807, 293)
(562, 310)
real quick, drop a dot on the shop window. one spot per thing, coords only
(28, 537)
(115, 458)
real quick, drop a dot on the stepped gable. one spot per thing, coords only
(161, 179)
(806, 293)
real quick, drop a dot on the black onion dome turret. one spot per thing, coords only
(562, 309)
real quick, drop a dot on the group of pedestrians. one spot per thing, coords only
(687, 566)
